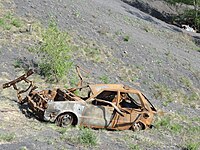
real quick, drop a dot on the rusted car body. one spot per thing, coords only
(110, 106)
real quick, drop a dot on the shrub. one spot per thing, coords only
(189, 2)
(55, 52)
(190, 16)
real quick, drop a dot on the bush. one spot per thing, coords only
(189, 2)
(55, 52)
(190, 16)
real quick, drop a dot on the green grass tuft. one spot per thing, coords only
(134, 147)
(23, 148)
(87, 137)
(126, 38)
(104, 79)
(17, 63)
(16, 22)
(8, 21)
(2, 22)
(167, 122)
(61, 130)
(192, 146)
(7, 137)
(163, 92)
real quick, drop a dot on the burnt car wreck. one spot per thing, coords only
(110, 106)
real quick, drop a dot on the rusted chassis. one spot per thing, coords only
(107, 106)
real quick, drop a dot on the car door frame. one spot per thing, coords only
(112, 122)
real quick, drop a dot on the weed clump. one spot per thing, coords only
(87, 137)
(7, 137)
(104, 79)
(192, 146)
(8, 21)
(126, 38)
(168, 122)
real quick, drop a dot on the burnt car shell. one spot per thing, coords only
(107, 106)
(110, 106)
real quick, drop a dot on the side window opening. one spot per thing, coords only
(130, 101)
(84, 93)
(109, 96)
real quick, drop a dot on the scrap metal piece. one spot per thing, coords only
(78, 68)
(19, 79)
(23, 77)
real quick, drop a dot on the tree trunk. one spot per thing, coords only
(195, 7)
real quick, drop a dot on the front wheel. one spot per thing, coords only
(65, 120)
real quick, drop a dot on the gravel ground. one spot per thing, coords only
(154, 55)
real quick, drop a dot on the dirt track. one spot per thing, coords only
(157, 58)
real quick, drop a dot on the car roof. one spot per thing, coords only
(95, 88)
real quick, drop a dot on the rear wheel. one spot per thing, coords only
(65, 120)
(138, 126)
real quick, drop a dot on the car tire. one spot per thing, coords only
(65, 120)
(138, 126)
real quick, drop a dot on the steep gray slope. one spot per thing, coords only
(132, 48)
(155, 52)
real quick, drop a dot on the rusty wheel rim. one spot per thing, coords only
(66, 120)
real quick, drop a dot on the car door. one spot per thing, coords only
(99, 113)
(130, 110)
